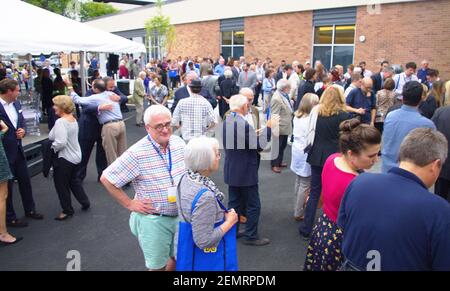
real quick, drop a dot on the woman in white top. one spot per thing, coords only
(298, 163)
(64, 137)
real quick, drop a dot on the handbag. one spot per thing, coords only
(192, 258)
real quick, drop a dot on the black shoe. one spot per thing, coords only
(65, 217)
(257, 242)
(241, 233)
(85, 208)
(304, 236)
(17, 223)
(34, 215)
(4, 243)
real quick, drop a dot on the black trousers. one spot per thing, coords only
(442, 188)
(66, 181)
(257, 92)
(87, 145)
(19, 170)
(250, 196)
(281, 147)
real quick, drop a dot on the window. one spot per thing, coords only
(233, 44)
(334, 45)
(154, 47)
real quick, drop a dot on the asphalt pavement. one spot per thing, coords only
(104, 241)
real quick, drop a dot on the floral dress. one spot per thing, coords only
(5, 172)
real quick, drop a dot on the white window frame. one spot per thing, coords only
(232, 46)
(332, 44)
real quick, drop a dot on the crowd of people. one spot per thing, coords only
(338, 124)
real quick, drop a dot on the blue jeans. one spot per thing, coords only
(307, 224)
(250, 195)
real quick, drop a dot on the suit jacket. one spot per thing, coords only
(13, 146)
(377, 80)
(278, 106)
(241, 146)
(210, 84)
(441, 119)
(250, 82)
(236, 73)
(305, 87)
(183, 92)
(255, 117)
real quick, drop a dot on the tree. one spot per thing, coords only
(95, 9)
(56, 6)
(75, 9)
(159, 26)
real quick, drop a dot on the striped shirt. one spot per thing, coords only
(142, 165)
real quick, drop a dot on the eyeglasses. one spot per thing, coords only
(160, 127)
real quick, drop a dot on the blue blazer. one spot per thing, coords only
(241, 146)
(13, 146)
(182, 93)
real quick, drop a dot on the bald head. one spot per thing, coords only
(366, 84)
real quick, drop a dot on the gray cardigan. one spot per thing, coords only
(207, 213)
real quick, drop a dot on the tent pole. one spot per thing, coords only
(82, 72)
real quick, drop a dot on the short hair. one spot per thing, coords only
(228, 74)
(282, 84)
(246, 90)
(142, 74)
(8, 85)
(199, 154)
(412, 93)
(351, 67)
(356, 76)
(389, 84)
(155, 110)
(355, 136)
(357, 70)
(384, 62)
(288, 67)
(388, 70)
(411, 65)
(191, 75)
(99, 85)
(210, 71)
(64, 102)
(433, 73)
(237, 102)
(309, 74)
(423, 146)
(362, 63)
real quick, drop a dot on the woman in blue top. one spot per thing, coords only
(269, 87)
(5, 175)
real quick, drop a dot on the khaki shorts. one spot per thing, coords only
(155, 235)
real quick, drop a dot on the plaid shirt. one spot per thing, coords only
(143, 167)
(196, 115)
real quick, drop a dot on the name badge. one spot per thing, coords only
(172, 194)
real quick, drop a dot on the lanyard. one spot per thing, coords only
(169, 166)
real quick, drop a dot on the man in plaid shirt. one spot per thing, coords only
(154, 166)
(195, 113)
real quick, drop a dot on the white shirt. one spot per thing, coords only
(299, 165)
(11, 112)
(249, 118)
(400, 81)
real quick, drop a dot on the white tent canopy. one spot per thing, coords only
(41, 31)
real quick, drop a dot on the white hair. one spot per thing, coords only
(357, 70)
(245, 91)
(191, 75)
(228, 74)
(199, 153)
(142, 74)
(153, 111)
(282, 84)
(237, 102)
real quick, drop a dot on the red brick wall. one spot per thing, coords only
(197, 39)
(406, 32)
(282, 36)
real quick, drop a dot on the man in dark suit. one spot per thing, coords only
(90, 131)
(183, 92)
(380, 78)
(11, 114)
(242, 144)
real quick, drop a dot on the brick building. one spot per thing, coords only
(333, 31)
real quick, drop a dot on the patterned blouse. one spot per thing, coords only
(385, 99)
